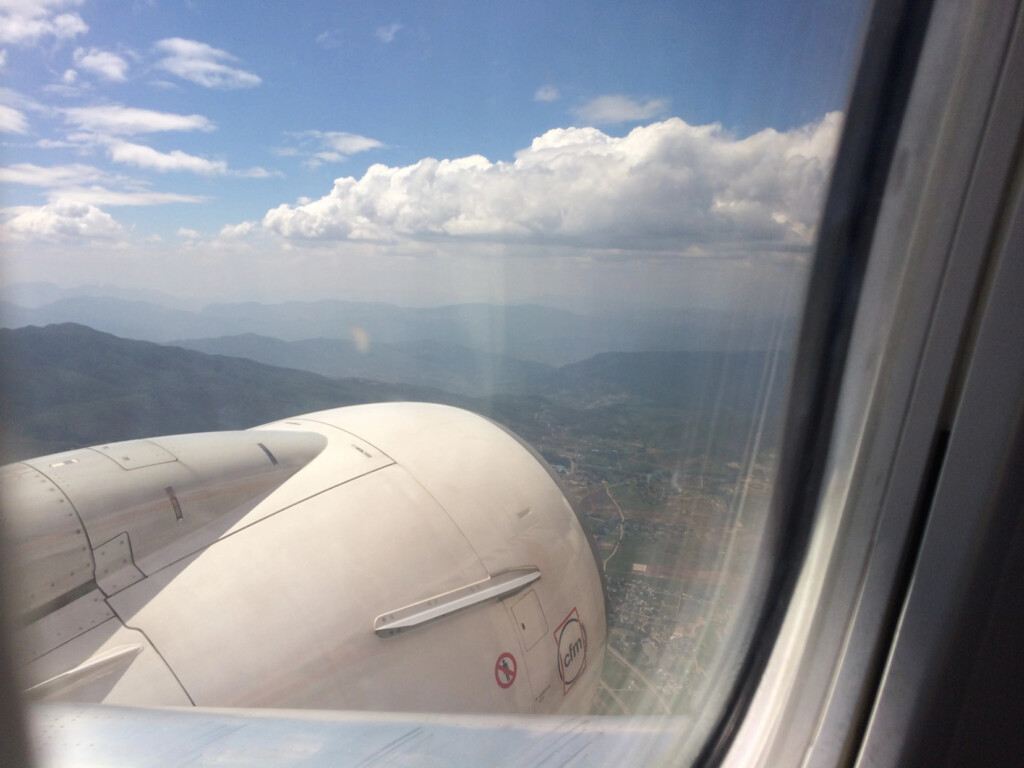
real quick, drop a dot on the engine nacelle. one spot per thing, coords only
(398, 556)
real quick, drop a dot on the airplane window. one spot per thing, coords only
(593, 228)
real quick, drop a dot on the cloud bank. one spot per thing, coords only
(59, 220)
(665, 186)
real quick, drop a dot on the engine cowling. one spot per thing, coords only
(400, 556)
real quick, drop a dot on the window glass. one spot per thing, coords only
(591, 223)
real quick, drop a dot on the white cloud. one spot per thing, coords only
(256, 172)
(190, 234)
(547, 93)
(176, 160)
(237, 238)
(328, 157)
(119, 120)
(387, 34)
(52, 176)
(25, 22)
(12, 121)
(668, 186)
(330, 38)
(346, 143)
(202, 64)
(147, 157)
(69, 77)
(103, 63)
(81, 184)
(238, 230)
(605, 110)
(20, 100)
(58, 220)
(97, 195)
(320, 147)
(3, 58)
(55, 144)
(13, 106)
(68, 91)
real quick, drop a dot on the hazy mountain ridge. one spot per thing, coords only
(528, 332)
(699, 380)
(450, 367)
(67, 386)
(37, 294)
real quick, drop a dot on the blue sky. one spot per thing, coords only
(195, 145)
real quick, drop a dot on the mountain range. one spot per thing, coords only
(451, 367)
(68, 385)
(524, 332)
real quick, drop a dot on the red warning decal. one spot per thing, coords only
(571, 639)
(505, 670)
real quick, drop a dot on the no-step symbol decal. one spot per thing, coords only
(505, 670)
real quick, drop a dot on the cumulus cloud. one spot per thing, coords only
(202, 64)
(190, 234)
(607, 110)
(546, 93)
(12, 121)
(25, 22)
(118, 120)
(103, 63)
(59, 220)
(387, 33)
(667, 186)
(3, 58)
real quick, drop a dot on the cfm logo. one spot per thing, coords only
(571, 640)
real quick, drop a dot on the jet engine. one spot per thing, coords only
(399, 556)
